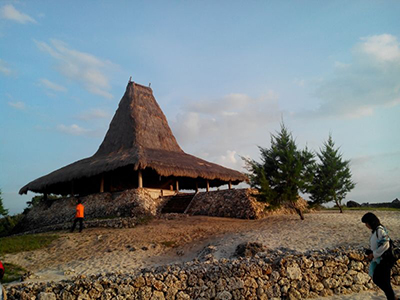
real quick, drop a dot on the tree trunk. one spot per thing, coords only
(298, 210)
(340, 207)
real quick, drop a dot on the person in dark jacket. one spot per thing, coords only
(380, 266)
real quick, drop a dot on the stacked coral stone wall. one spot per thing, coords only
(135, 202)
(236, 203)
(58, 214)
(270, 275)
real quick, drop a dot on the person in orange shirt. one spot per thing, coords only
(80, 214)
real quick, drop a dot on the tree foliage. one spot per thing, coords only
(3, 211)
(332, 180)
(37, 200)
(283, 172)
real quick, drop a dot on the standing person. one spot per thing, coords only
(3, 295)
(380, 266)
(80, 214)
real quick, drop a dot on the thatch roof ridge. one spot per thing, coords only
(138, 122)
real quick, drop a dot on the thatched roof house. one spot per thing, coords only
(139, 150)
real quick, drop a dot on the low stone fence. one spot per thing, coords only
(269, 275)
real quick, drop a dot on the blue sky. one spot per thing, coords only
(225, 73)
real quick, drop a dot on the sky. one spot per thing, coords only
(225, 73)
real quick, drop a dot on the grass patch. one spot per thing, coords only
(13, 273)
(169, 244)
(15, 244)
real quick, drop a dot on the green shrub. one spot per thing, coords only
(8, 223)
(13, 273)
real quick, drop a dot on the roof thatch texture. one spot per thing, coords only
(139, 135)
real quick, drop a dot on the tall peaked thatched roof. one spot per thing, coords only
(138, 135)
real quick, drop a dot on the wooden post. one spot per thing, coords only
(177, 185)
(208, 186)
(45, 197)
(197, 187)
(230, 185)
(102, 184)
(140, 179)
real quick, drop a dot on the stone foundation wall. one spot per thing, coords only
(58, 214)
(235, 203)
(268, 275)
(130, 203)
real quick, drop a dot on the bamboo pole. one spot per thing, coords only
(140, 179)
(102, 184)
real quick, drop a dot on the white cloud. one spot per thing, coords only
(208, 127)
(383, 47)
(95, 113)
(359, 112)
(51, 85)
(84, 68)
(4, 69)
(393, 103)
(368, 83)
(72, 129)
(230, 160)
(17, 105)
(9, 12)
(377, 176)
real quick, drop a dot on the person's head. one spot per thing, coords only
(79, 201)
(371, 221)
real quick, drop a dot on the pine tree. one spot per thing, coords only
(283, 172)
(332, 180)
(3, 211)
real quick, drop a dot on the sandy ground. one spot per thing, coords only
(164, 241)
